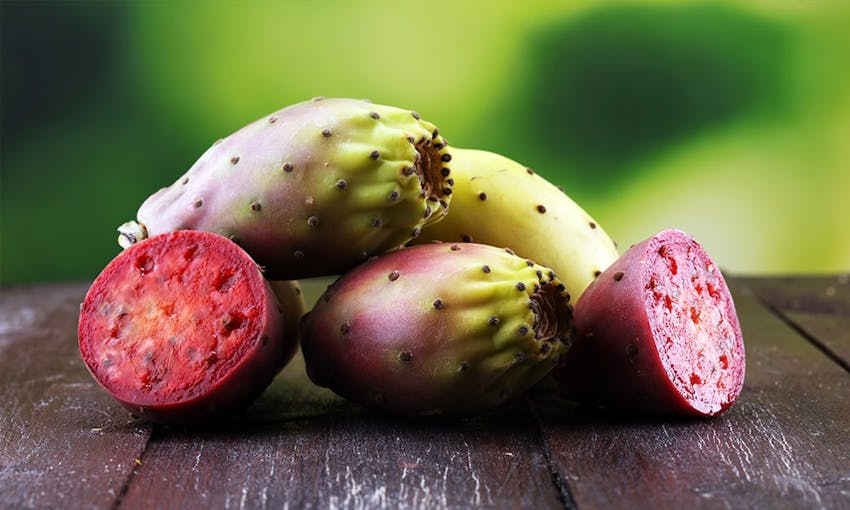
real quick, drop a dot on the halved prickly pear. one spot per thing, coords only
(438, 329)
(311, 189)
(657, 332)
(182, 327)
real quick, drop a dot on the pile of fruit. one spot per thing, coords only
(466, 278)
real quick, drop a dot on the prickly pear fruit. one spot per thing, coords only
(657, 332)
(312, 189)
(182, 327)
(438, 329)
(500, 202)
(291, 300)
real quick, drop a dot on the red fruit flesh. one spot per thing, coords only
(657, 332)
(182, 326)
(694, 325)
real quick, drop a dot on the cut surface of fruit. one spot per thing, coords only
(694, 323)
(179, 318)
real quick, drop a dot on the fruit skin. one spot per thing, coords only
(311, 189)
(441, 329)
(182, 327)
(291, 300)
(500, 202)
(657, 333)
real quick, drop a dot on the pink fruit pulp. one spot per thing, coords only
(181, 323)
(693, 321)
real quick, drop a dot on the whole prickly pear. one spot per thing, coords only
(438, 329)
(657, 332)
(312, 189)
(182, 327)
(500, 202)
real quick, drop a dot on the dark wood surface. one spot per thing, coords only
(786, 443)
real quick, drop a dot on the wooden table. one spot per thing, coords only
(786, 443)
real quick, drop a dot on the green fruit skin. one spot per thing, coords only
(290, 298)
(314, 188)
(500, 202)
(441, 329)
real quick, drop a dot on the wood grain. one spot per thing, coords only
(339, 455)
(63, 440)
(783, 445)
(818, 307)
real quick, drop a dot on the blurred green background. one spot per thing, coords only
(730, 120)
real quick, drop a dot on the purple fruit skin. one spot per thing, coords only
(314, 188)
(618, 358)
(438, 329)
